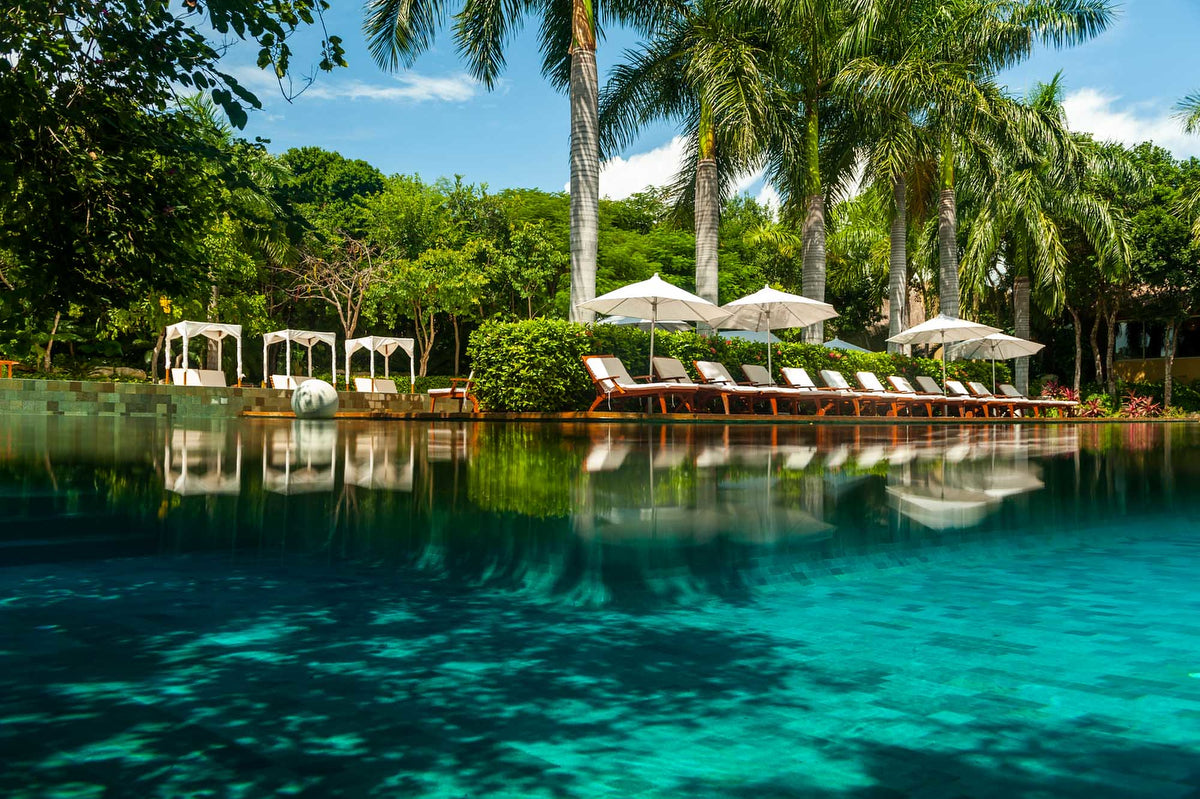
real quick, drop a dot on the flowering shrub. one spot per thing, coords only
(1138, 407)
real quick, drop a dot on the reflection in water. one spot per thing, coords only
(585, 513)
(299, 458)
(198, 462)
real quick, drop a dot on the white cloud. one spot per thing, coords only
(769, 197)
(621, 177)
(411, 87)
(1108, 119)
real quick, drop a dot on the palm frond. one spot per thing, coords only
(398, 31)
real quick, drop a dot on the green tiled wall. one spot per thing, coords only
(79, 398)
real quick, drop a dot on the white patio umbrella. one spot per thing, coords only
(997, 346)
(943, 329)
(655, 299)
(770, 308)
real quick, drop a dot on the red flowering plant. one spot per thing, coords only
(1140, 407)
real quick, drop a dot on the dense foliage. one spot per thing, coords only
(125, 206)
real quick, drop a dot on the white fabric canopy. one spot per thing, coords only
(771, 309)
(210, 330)
(943, 330)
(655, 299)
(998, 346)
(305, 338)
(385, 346)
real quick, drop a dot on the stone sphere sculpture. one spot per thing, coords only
(314, 399)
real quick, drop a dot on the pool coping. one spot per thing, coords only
(614, 417)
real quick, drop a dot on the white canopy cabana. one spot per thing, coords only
(305, 338)
(384, 345)
(210, 330)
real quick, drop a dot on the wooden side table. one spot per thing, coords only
(6, 368)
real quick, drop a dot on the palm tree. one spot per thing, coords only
(400, 30)
(1189, 112)
(800, 168)
(709, 69)
(934, 60)
(1021, 217)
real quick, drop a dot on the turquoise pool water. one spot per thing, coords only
(460, 610)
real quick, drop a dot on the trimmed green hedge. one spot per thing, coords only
(537, 365)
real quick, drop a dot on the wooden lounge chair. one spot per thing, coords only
(823, 401)
(826, 400)
(715, 374)
(1067, 406)
(1014, 405)
(613, 381)
(870, 383)
(924, 399)
(992, 406)
(836, 381)
(967, 406)
(671, 370)
(461, 390)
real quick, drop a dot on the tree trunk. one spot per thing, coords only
(154, 356)
(50, 342)
(708, 210)
(1094, 337)
(1077, 324)
(1169, 339)
(211, 360)
(457, 347)
(898, 263)
(1110, 324)
(585, 159)
(814, 261)
(1021, 329)
(813, 233)
(948, 236)
(427, 346)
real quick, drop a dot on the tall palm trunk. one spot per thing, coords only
(1170, 339)
(708, 210)
(1077, 325)
(898, 264)
(813, 233)
(1021, 327)
(585, 158)
(947, 236)
(1094, 337)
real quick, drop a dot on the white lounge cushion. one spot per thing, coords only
(378, 385)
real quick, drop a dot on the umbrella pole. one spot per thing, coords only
(650, 371)
(943, 364)
(769, 373)
(993, 370)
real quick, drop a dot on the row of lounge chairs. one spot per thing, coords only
(672, 387)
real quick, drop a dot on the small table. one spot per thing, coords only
(6, 366)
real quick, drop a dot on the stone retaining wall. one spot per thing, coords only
(87, 398)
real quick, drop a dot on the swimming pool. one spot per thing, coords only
(251, 609)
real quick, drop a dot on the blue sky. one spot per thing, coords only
(435, 121)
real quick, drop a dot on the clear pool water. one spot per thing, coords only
(470, 610)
